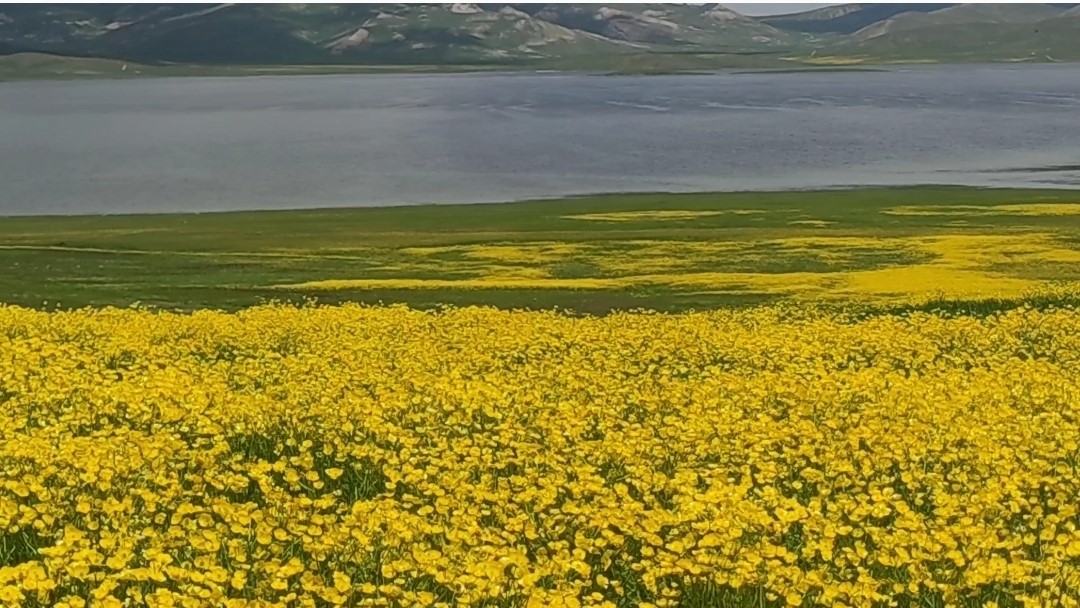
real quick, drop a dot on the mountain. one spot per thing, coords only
(250, 33)
(659, 37)
(850, 18)
(710, 26)
(845, 18)
(963, 14)
(971, 32)
(346, 33)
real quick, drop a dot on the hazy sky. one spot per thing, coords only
(757, 8)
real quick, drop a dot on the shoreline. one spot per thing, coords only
(46, 67)
(569, 198)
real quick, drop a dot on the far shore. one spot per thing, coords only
(41, 66)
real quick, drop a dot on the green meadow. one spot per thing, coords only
(886, 247)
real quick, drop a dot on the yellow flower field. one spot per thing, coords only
(354, 456)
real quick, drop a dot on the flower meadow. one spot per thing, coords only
(383, 456)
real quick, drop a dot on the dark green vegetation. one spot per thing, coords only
(804, 70)
(644, 38)
(230, 260)
(41, 66)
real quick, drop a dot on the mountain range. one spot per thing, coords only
(699, 35)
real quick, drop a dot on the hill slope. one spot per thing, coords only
(844, 18)
(964, 14)
(708, 26)
(1029, 32)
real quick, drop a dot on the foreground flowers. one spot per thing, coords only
(383, 456)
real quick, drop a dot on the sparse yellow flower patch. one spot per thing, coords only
(658, 215)
(1028, 209)
(961, 265)
(520, 253)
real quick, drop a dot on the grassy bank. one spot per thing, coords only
(884, 246)
(40, 66)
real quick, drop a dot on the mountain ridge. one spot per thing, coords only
(520, 33)
(961, 14)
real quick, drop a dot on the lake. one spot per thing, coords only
(210, 144)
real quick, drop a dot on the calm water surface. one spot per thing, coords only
(205, 144)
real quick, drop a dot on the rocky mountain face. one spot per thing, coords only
(227, 33)
(705, 26)
(509, 33)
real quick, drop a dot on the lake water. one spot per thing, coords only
(207, 144)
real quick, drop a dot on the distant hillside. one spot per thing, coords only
(964, 14)
(709, 26)
(845, 18)
(657, 36)
(1029, 32)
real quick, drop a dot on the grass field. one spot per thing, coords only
(898, 246)
(852, 439)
